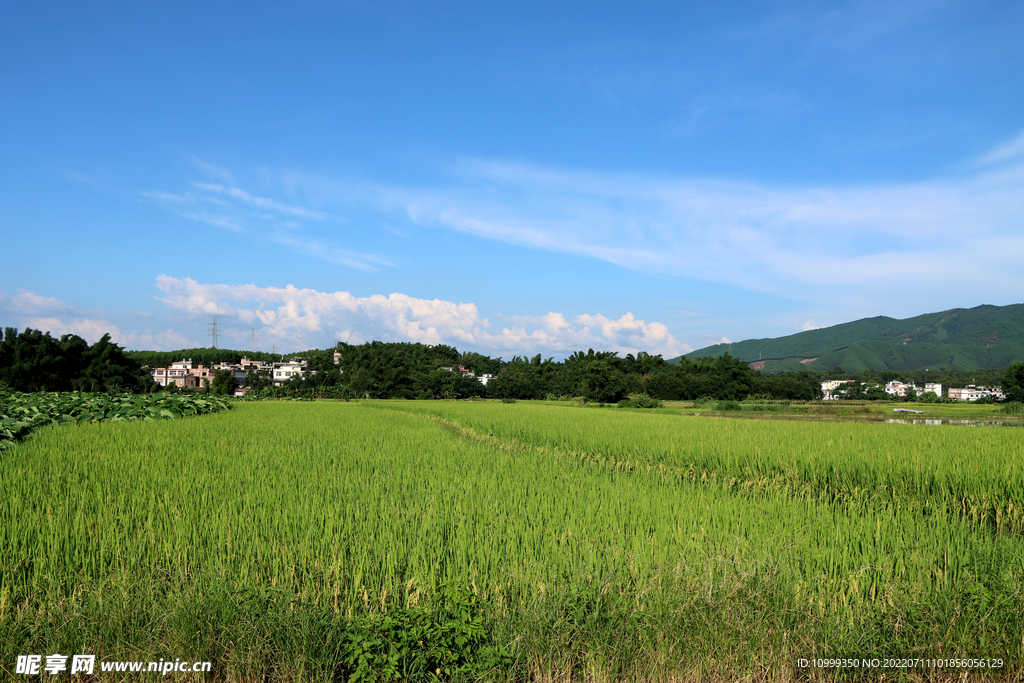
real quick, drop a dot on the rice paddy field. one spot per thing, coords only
(333, 541)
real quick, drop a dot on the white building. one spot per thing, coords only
(184, 373)
(466, 372)
(828, 389)
(283, 372)
(974, 393)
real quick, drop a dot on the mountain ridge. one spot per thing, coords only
(985, 336)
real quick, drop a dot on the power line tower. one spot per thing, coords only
(252, 339)
(213, 334)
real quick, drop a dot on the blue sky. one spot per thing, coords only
(509, 178)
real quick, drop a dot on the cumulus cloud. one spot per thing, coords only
(27, 309)
(711, 340)
(810, 325)
(91, 329)
(304, 318)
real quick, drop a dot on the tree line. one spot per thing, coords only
(414, 371)
(35, 361)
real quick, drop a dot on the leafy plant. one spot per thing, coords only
(23, 413)
(639, 401)
(417, 643)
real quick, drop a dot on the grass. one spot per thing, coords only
(975, 473)
(489, 541)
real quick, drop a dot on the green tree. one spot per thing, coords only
(601, 381)
(257, 380)
(35, 361)
(513, 382)
(440, 384)
(876, 393)
(108, 369)
(1013, 382)
(223, 382)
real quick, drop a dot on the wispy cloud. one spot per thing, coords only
(213, 170)
(815, 243)
(343, 257)
(848, 247)
(708, 109)
(261, 202)
(225, 205)
(1011, 149)
(307, 317)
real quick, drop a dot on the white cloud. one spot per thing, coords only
(48, 314)
(324, 252)
(228, 206)
(28, 303)
(711, 340)
(219, 172)
(1008, 150)
(821, 244)
(304, 318)
(810, 325)
(91, 329)
(261, 202)
(813, 243)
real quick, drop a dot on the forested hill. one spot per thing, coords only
(957, 339)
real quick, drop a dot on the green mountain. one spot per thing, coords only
(958, 339)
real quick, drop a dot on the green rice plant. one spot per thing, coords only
(976, 473)
(311, 541)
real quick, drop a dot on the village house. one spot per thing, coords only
(184, 373)
(828, 389)
(466, 372)
(283, 372)
(975, 393)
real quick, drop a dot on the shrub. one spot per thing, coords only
(639, 401)
(1014, 408)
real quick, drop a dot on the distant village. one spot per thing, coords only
(838, 388)
(188, 375)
